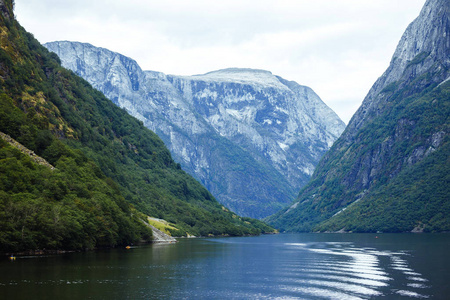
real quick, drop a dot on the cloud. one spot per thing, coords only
(338, 48)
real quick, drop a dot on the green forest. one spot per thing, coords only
(110, 171)
(414, 198)
(418, 196)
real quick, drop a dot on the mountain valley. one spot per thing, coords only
(251, 138)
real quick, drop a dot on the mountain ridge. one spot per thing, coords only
(414, 54)
(401, 125)
(252, 138)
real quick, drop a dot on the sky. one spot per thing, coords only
(336, 47)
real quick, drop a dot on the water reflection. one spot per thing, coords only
(268, 267)
(354, 272)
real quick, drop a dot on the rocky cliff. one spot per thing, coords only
(252, 138)
(423, 49)
(395, 148)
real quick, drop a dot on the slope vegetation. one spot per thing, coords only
(110, 169)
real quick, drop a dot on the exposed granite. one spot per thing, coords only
(251, 138)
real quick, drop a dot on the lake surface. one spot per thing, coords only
(284, 266)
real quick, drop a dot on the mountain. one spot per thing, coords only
(390, 169)
(78, 172)
(252, 138)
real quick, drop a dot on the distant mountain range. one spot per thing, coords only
(252, 138)
(390, 169)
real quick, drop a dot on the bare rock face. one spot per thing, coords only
(400, 123)
(252, 138)
(423, 48)
(420, 61)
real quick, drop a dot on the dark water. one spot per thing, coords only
(286, 266)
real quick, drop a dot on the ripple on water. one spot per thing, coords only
(319, 292)
(417, 285)
(411, 294)
(358, 273)
(368, 282)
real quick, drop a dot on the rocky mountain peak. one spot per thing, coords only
(252, 138)
(236, 72)
(423, 48)
(254, 77)
(425, 41)
(428, 33)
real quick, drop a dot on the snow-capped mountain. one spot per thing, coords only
(252, 138)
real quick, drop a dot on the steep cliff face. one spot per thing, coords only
(423, 49)
(252, 138)
(399, 129)
(287, 125)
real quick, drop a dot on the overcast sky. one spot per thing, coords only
(336, 47)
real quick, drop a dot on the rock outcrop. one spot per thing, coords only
(34, 157)
(252, 138)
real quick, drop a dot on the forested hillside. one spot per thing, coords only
(110, 171)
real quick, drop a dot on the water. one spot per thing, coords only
(285, 266)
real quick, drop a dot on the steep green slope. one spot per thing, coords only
(389, 171)
(71, 207)
(397, 200)
(419, 196)
(102, 156)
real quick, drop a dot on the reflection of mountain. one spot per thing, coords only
(252, 138)
(389, 171)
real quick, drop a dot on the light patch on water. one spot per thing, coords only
(402, 268)
(417, 285)
(334, 271)
(339, 243)
(369, 282)
(345, 286)
(364, 270)
(410, 294)
(412, 273)
(417, 279)
(354, 270)
(302, 245)
(337, 270)
(400, 264)
(318, 292)
(340, 283)
(359, 273)
(360, 264)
